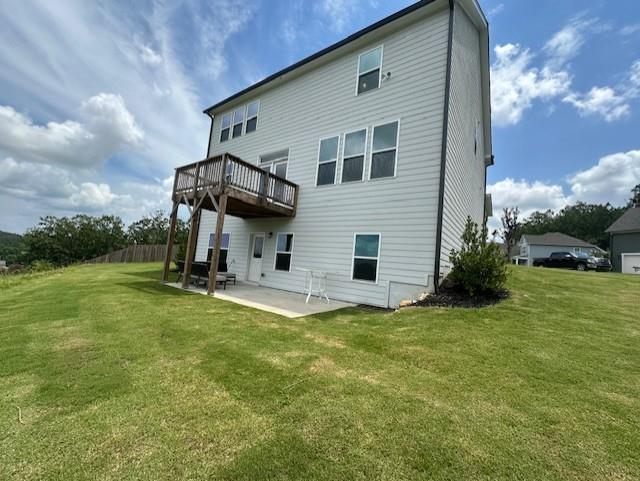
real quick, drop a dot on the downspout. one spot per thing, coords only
(443, 158)
(210, 135)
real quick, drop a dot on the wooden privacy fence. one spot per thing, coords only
(135, 253)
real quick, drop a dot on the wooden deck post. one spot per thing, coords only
(191, 248)
(215, 259)
(170, 239)
(194, 225)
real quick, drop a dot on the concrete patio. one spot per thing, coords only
(284, 303)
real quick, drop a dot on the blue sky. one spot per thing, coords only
(99, 101)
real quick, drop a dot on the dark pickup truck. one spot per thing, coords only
(573, 260)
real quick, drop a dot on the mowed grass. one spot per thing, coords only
(118, 377)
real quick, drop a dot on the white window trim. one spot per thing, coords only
(364, 153)
(230, 114)
(256, 116)
(275, 256)
(335, 173)
(234, 123)
(272, 163)
(221, 248)
(381, 47)
(377, 259)
(371, 152)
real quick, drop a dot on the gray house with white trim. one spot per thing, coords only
(385, 138)
(533, 246)
(625, 242)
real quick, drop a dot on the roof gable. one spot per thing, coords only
(628, 222)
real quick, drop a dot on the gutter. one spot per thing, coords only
(443, 158)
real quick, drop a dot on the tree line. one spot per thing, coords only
(66, 240)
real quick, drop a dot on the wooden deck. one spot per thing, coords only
(227, 185)
(251, 191)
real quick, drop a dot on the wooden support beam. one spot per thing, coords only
(215, 258)
(170, 239)
(191, 248)
(194, 224)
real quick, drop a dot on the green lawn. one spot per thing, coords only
(118, 377)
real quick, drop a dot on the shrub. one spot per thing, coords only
(479, 268)
(41, 266)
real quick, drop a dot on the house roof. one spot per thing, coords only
(629, 222)
(556, 239)
(471, 6)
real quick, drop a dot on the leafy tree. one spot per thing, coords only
(510, 226)
(479, 268)
(65, 240)
(10, 247)
(154, 229)
(584, 221)
(635, 196)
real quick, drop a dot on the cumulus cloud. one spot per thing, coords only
(518, 81)
(516, 84)
(603, 101)
(610, 180)
(107, 127)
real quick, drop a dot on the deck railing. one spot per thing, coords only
(229, 170)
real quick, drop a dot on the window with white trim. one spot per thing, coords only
(224, 248)
(369, 69)
(238, 122)
(252, 117)
(284, 249)
(384, 150)
(353, 155)
(366, 256)
(275, 162)
(327, 160)
(225, 127)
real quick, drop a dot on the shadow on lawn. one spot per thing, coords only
(155, 288)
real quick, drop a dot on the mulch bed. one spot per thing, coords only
(457, 298)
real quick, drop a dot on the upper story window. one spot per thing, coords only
(369, 69)
(238, 121)
(384, 150)
(225, 127)
(353, 155)
(327, 161)
(252, 116)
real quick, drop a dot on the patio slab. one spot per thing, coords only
(284, 303)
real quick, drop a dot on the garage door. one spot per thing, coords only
(631, 263)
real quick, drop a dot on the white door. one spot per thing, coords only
(255, 257)
(631, 263)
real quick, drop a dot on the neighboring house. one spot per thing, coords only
(625, 242)
(532, 246)
(384, 139)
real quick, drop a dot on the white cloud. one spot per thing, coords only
(610, 180)
(495, 10)
(630, 29)
(603, 101)
(516, 84)
(148, 55)
(107, 127)
(341, 13)
(566, 43)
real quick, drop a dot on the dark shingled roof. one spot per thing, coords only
(629, 222)
(556, 239)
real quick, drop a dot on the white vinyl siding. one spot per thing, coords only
(402, 208)
(464, 185)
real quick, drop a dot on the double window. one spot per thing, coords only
(353, 151)
(284, 249)
(327, 161)
(224, 249)
(366, 256)
(384, 150)
(243, 119)
(369, 70)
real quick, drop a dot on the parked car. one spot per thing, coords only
(580, 261)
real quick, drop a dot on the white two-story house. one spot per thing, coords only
(383, 139)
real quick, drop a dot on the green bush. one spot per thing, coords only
(41, 266)
(479, 268)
